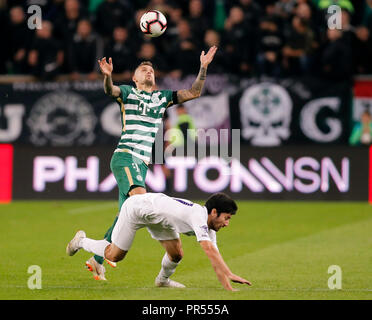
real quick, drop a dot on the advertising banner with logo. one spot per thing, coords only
(268, 112)
(80, 114)
(288, 111)
(362, 98)
(284, 173)
(58, 114)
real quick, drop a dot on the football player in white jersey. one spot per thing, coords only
(165, 218)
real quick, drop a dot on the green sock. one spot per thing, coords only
(108, 238)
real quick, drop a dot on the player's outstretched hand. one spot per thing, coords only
(237, 279)
(206, 59)
(106, 68)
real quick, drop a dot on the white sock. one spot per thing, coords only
(95, 246)
(168, 267)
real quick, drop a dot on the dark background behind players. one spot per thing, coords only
(268, 37)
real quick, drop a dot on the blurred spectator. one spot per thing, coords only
(173, 17)
(111, 14)
(140, 4)
(197, 20)
(66, 23)
(270, 44)
(362, 131)
(136, 36)
(347, 28)
(148, 52)
(185, 52)
(20, 39)
(220, 61)
(362, 50)
(252, 12)
(83, 52)
(367, 16)
(46, 55)
(160, 5)
(249, 34)
(52, 9)
(120, 51)
(4, 38)
(239, 41)
(309, 15)
(297, 48)
(270, 13)
(285, 8)
(336, 56)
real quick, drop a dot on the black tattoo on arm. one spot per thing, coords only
(107, 84)
(202, 73)
(198, 84)
(109, 87)
(196, 88)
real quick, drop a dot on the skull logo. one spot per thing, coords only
(265, 112)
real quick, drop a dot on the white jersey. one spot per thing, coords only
(158, 209)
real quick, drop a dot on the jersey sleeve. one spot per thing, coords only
(200, 228)
(171, 97)
(124, 92)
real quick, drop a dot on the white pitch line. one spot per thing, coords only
(191, 288)
(91, 208)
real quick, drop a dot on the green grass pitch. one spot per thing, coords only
(283, 248)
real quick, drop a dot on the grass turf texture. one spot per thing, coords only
(283, 248)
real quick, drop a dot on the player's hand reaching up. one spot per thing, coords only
(206, 59)
(106, 68)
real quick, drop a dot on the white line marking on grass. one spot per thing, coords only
(92, 208)
(309, 289)
(191, 288)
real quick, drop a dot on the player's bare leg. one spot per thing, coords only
(102, 248)
(95, 264)
(169, 263)
(114, 253)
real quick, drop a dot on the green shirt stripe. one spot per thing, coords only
(141, 117)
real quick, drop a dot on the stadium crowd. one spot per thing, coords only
(265, 37)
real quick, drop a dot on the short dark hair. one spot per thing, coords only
(222, 203)
(145, 63)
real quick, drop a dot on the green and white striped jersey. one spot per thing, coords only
(141, 116)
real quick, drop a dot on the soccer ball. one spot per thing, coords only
(153, 23)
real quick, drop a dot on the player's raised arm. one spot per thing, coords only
(197, 86)
(108, 86)
(223, 272)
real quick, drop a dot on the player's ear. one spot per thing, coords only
(134, 79)
(214, 213)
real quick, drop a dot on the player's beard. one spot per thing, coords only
(213, 226)
(149, 83)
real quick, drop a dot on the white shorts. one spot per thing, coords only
(134, 216)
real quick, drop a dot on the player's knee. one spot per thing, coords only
(114, 255)
(177, 257)
(115, 258)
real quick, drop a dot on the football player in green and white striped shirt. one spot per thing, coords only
(142, 109)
